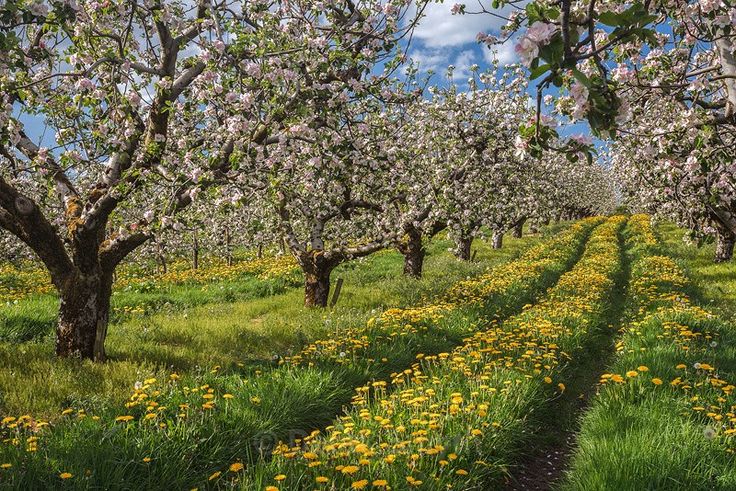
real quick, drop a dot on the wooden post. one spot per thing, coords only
(336, 294)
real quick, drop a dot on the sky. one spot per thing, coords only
(443, 39)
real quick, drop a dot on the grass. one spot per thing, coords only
(193, 434)
(712, 284)
(456, 421)
(200, 330)
(664, 415)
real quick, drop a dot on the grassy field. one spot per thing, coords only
(269, 402)
(713, 284)
(608, 343)
(197, 327)
(665, 413)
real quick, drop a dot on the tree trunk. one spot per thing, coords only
(534, 226)
(497, 240)
(195, 252)
(83, 316)
(518, 229)
(228, 248)
(724, 246)
(317, 269)
(259, 254)
(462, 247)
(161, 258)
(413, 252)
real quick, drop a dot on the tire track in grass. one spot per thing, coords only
(554, 439)
(455, 420)
(178, 433)
(665, 415)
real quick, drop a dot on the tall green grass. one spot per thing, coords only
(268, 404)
(664, 415)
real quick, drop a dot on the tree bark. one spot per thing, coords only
(497, 239)
(161, 257)
(413, 252)
(84, 315)
(725, 240)
(228, 248)
(195, 252)
(317, 267)
(518, 229)
(462, 247)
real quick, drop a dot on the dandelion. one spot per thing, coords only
(236, 467)
(228, 396)
(350, 469)
(124, 419)
(214, 476)
(709, 433)
(657, 381)
(146, 460)
(359, 484)
(321, 479)
(643, 368)
(66, 475)
(6, 466)
(280, 477)
(380, 483)
(632, 373)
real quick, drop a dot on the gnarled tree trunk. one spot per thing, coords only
(83, 316)
(518, 230)
(463, 244)
(497, 239)
(725, 240)
(413, 251)
(317, 267)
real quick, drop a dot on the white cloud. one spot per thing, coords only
(462, 63)
(438, 27)
(431, 59)
(504, 53)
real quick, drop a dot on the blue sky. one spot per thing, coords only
(443, 39)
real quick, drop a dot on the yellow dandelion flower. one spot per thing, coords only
(236, 467)
(280, 477)
(66, 475)
(359, 484)
(632, 373)
(214, 476)
(321, 479)
(657, 381)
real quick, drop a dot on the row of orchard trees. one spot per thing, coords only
(657, 81)
(123, 121)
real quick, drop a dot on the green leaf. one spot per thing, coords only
(539, 71)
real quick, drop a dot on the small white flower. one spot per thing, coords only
(709, 432)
